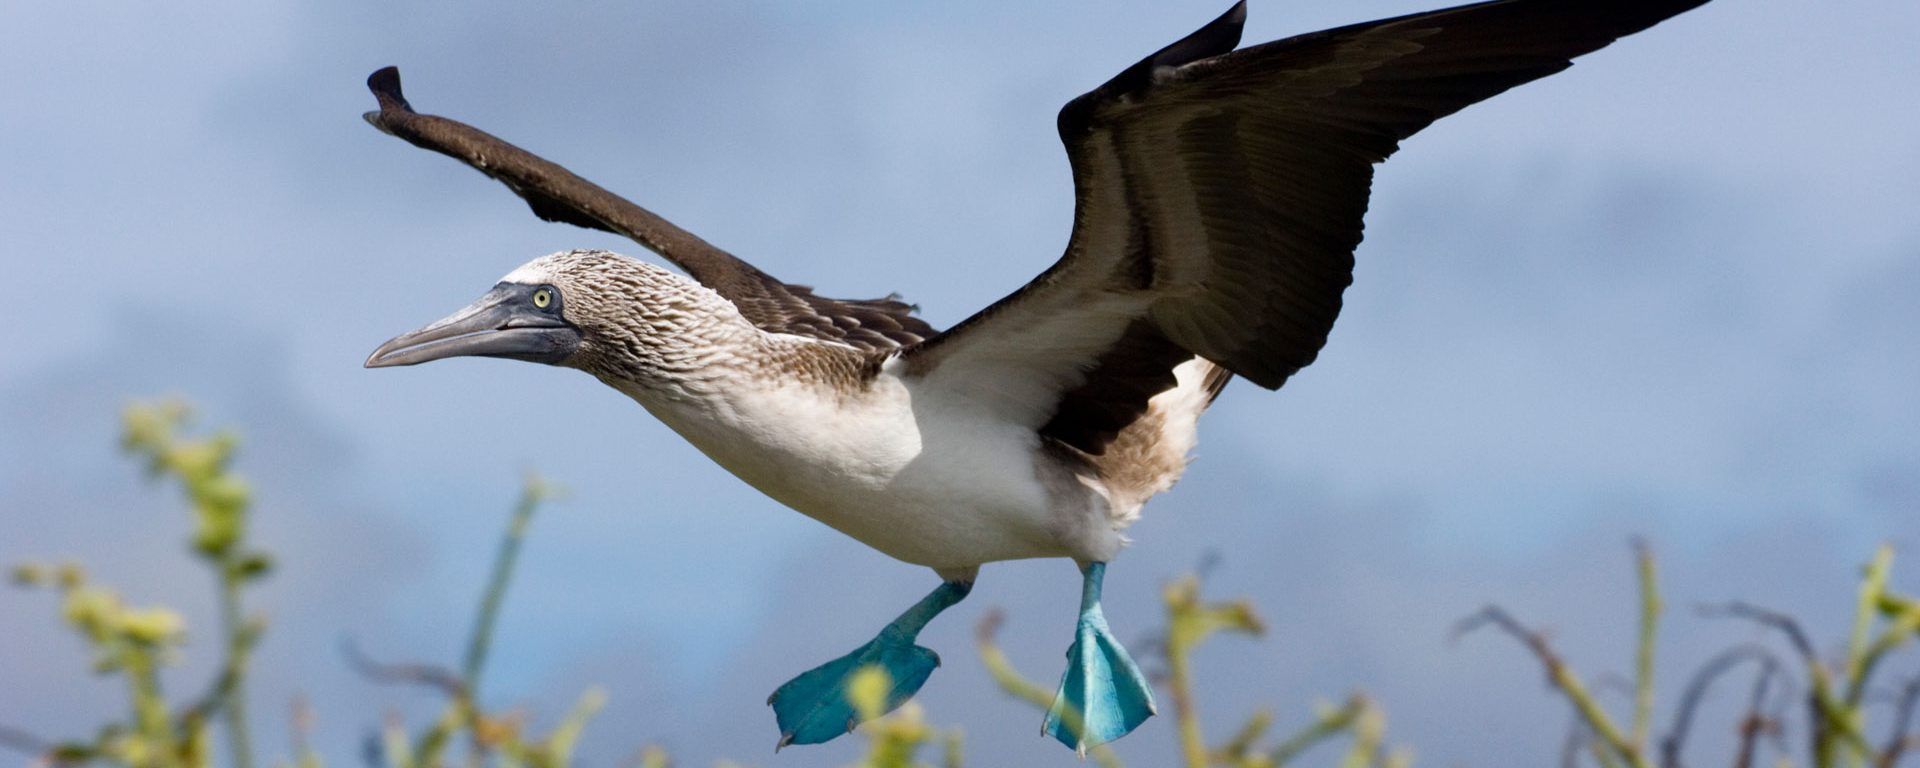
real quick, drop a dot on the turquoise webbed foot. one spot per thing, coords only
(813, 708)
(1102, 696)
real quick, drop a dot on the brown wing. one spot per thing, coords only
(1220, 197)
(556, 194)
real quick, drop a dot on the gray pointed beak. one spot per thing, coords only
(503, 323)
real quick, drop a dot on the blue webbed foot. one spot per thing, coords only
(1102, 696)
(813, 708)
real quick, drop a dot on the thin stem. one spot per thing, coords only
(239, 649)
(149, 708)
(1872, 586)
(1758, 721)
(1189, 621)
(1236, 750)
(1862, 654)
(560, 744)
(481, 638)
(1326, 725)
(1603, 753)
(1643, 658)
(1369, 730)
(1193, 746)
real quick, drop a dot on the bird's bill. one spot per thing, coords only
(503, 323)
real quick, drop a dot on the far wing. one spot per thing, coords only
(556, 194)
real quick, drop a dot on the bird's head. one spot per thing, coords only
(571, 308)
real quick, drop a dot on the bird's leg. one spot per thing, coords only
(1102, 696)
(813, 707)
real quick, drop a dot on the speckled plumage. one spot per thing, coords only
(848, 436)
(650, 328)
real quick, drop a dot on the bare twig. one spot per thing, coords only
(1562, 677)
(1210, 561)
(1759, 721)
(21, 741)
(1901, 738)
(426, 675)
(1769, 704)
(1578, 737)
(1769, 618)
(1696, 690)
(1829, 716)
(460, 708)
(1751, 728)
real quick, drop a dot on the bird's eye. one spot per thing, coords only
(543, 298)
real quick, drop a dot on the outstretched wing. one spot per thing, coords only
(1220, 195)
(556, 194)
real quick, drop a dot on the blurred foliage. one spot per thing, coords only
(1190, 621)
(133, 643)
(1835, 696)
(1832, 694)
(499, 738)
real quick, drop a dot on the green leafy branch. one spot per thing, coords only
(135, 643)
(220, 501)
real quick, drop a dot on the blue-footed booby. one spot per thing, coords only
(1219, 197)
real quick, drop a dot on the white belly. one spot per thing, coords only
(929, 482)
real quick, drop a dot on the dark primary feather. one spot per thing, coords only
(1228, 187)
(556, 194)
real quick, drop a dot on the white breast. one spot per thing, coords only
(929, 480)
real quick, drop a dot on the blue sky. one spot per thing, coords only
(1668, 292)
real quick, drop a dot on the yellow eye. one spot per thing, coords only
(542, 298)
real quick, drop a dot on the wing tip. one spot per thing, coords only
(1238, 14)
(385, 85)
(1215, 38)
